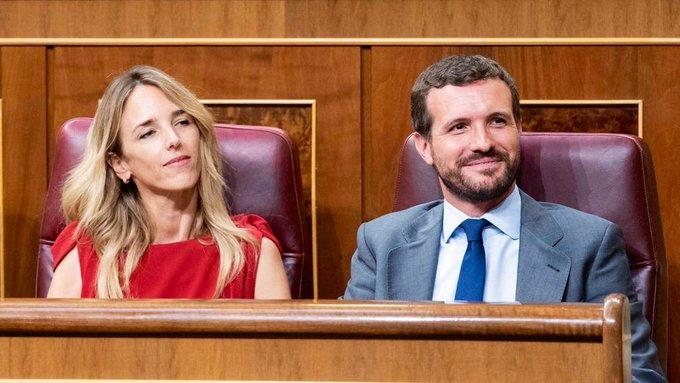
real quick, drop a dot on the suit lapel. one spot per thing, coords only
(542, 270)
(412, 267)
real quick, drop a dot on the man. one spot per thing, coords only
(489, 241)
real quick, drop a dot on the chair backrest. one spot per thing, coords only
(261, 169)
(609, 175)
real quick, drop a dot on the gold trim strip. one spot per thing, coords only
(51, 380)
(347, 41)
(637, 103)
(302, 102)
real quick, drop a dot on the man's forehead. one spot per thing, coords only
(474, 97)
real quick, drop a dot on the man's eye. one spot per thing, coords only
(498, 121)
(457, 127)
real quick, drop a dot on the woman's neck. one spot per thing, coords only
(172, 216)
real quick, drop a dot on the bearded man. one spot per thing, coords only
(488, 241)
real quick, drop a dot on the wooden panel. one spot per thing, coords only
(24, 163)
(545, 73)
(343, 18)
(659, 75)
(109, 18)
(573, 118)
(328, 340)
(330, 75)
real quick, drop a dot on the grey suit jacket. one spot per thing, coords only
(564, 256)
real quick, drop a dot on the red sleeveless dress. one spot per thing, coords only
(186, 269)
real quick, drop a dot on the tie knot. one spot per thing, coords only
(473, 229)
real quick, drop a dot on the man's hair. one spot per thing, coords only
(457, 71)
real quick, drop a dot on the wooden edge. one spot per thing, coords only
(151, 381)
(2, 214)
(166, 317)
(315, 221)
(297, 102)
(314, 41)
(637, 103)
(616, 339)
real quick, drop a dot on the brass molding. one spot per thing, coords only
(379, 41)
(296, 102)
(595, 103)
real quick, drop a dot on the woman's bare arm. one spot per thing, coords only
(66, 281)
(271, 281)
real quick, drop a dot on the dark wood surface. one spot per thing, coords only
(326, 340)
(618, 118)
(24, 139)
(343, 18)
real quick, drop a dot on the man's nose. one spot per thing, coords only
(480, 139)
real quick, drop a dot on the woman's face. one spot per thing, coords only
(159, 144)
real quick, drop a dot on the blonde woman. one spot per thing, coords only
(148, 216)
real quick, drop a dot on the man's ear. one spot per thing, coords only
(119, 166)
(424, 149)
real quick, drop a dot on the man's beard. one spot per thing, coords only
(463, 188)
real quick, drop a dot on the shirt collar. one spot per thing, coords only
(507, 216)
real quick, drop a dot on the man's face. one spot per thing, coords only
(474, 141)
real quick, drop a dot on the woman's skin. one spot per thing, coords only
(160, 154)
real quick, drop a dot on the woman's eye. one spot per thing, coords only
(146, 134)
(183, 122)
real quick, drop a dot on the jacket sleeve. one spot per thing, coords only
(361, 285)
(610, 273)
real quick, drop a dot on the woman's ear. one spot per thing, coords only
(119, 166)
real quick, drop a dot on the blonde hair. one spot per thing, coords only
(110, 212)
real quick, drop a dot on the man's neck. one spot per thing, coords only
(475, 209)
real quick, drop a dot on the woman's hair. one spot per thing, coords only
(111, 213)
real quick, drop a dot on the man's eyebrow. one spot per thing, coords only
(500, 114)
(455, 121)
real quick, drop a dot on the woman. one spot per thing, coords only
(149, 219)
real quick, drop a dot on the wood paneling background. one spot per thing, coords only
(362, 92)
(24, 140)
(343, 18)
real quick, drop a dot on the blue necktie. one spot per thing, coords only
(473, 270)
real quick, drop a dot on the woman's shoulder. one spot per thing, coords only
(257, 226)
(65, 242)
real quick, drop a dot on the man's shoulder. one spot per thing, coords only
(578, 224)
(569, 214)
(403, 217)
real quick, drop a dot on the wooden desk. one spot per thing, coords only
(302, 340)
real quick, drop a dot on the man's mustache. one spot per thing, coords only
(492, 154)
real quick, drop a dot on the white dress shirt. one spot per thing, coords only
(501, 248)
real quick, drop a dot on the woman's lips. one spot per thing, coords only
(177, 161)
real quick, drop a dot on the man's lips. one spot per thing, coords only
(482, 161)
(179, 160)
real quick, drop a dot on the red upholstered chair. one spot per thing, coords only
(609, 175)
(261, 169)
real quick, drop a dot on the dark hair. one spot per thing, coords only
(457, 71)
